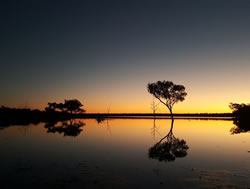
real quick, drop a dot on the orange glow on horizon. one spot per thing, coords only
(143, 106)
(200, 99)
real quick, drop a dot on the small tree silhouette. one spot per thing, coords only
(70, 106)
(167, 93)
(73, 106)
(154, 107)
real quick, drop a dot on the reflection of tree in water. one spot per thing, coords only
(241, 126)
(241, 117)
(100, 120)
(154, 129)
(169, 147)
(68, 128)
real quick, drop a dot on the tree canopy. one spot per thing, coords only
(73, 106)
(240, 110)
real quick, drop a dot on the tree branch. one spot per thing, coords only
(162, 101)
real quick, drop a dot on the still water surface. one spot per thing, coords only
(125, 153)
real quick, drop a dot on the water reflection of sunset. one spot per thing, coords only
(126, 142)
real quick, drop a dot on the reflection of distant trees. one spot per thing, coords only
(169, 147)
(68, 128)
(100, 119)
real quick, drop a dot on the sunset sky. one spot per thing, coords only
(104, 53)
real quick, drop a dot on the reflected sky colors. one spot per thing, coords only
(116, 152)
(105, 52)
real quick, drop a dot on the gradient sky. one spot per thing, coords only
(105, 52)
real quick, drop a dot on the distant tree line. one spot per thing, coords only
(53, 112)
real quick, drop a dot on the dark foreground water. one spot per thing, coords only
(125, 153)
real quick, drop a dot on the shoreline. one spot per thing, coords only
(8, 119)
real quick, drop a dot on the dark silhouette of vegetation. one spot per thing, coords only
(19, 116)
(242, 128)
(167, 93)
(70, 106)
(73, 106)
(53, 112)
(100, 119)
(241, 117)
(68, 128)
(240, 111)
(73, 109)
(169, 147)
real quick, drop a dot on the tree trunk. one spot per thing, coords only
(170, 133)
(172, 126)
(172, 117)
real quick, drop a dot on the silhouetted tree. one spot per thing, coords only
(70, 106)
(241, 114)
(73, 106)
(167, 93)
(169, 147)
(240, 110)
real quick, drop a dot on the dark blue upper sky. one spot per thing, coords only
(51, 50)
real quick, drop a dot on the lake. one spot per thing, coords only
(125, 153)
